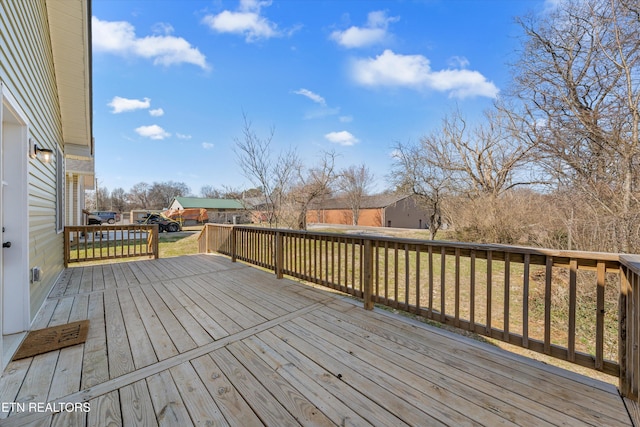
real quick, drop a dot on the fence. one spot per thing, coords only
(576, 306)
(104, 242)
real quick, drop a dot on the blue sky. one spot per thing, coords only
(172, 79)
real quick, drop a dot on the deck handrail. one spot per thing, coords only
(103, 242)
(629, 330)
(466, 285)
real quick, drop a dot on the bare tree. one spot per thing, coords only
(484, 160)
(414, 173)
(138, 196)
(265, 169)
(161, 194)
(312, 185)
(210, 192)
(354, 183)
(578, 81)
(119, 199)
(103, 199)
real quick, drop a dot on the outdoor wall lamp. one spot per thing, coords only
(44, 154)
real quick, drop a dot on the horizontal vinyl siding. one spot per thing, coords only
(26, 69)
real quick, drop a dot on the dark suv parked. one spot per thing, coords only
(107, 216)
(164, 223)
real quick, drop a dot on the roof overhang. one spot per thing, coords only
(70, 29)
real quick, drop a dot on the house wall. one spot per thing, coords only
(176, 205)
(226, 216)
(27, 72)
(405, 214)
(368, 217)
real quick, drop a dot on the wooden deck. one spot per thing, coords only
(198, 340)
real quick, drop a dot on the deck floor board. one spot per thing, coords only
(199, 340)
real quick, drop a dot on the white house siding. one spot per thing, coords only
(27, 71)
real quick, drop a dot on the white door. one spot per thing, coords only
(14, 262)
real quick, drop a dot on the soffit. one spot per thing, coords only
(69, 25)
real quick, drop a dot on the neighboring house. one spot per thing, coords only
(47, 152)
(220, 211)
(382, 210)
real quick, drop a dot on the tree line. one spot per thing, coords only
(157, 196)
(285, 202)
(555, 160)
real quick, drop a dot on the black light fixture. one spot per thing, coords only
(44, 154)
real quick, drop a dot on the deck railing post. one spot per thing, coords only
(367, 275)
(207, 238)
(279, 254)
(624, 378)
(628, 329)
(233, 244)
(67, 247)
(152, 241)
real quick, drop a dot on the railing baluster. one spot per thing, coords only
(443, 287)
(547, 304)
(314, 241)
(418, 250)
(633, 314)
(353, 267)
(489, 291)
(333, 260)
(601, 278)
(457, 288)
(472, 290)
(395, 275)
(279, 254)
(367, 267)
(406, 276)
(507, 284)
(571, 338)
(326, 261)
(339, 259)
(386, 273)
(525, 301)
(430, 252)
(377, 269)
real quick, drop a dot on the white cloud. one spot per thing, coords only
(183, 136)
(414, 71)
(342, 138)
(246, 21)
(208, 145)
(157, 112)
(458, 62)
(119, 37)
(122, 105)
(152, 132)
(375, 31)
(312, 96)
(162, 28)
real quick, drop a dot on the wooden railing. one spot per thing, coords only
(103, 242)
(576, 306)
(629, 345)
